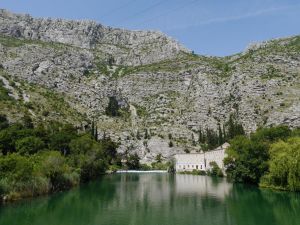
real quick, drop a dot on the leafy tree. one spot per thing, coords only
(246, 160)
(215, 170)
(16, 168)
(9, 136)
(271, 134)
(29, 145)
(284, 169)
(133, 162)
(109, 149)
(60, 141)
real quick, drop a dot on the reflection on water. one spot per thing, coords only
(157, 199)
(202, 185)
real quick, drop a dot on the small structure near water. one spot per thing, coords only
(201, 161)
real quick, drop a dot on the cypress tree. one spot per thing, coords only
(221, 139)
(93, 129)
(96, 133)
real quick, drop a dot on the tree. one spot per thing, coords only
(27, 121)
(111, 61)
(284, 164)
(220, 135)
(147, 136)
(60, 141)
(158, 158)
(9, 136)
(113, 107)
(215, 170)
(212, 139)
(29, 145)
(133, 162)
(109, 149)
(247, 160)
(3, 122)
(233, 127)
(83, 144)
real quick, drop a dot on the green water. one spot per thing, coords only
(157, 199)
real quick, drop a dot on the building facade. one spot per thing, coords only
(201, 161)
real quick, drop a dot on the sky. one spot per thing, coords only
(208, 27)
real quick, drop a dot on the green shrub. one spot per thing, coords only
(215, 170)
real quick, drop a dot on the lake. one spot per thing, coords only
(157, 199)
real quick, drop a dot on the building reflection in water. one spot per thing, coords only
(202, 185)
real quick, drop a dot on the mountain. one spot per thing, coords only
(74, 71)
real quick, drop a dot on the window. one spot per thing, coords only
(201, 167)
(197, 167)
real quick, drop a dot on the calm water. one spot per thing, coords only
(157, 199)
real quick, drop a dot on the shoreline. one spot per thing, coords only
(141, 171)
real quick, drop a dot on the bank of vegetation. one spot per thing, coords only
(51, 157)
(270, 158)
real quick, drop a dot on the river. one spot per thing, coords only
(157, 199)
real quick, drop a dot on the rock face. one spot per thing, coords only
(128, 47)
(170, 92)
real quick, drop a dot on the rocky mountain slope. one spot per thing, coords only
(165, 92)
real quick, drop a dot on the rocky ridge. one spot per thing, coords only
(171, 93)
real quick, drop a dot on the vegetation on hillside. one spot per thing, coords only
(270, 157)
(209, 139)
(47, 158)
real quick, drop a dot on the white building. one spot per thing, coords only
(201, 161)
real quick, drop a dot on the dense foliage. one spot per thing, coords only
(268, 157)
(49, 158)
(210, 139)
(284, 171)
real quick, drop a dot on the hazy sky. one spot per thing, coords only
(210, 27)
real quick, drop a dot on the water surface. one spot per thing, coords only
(157, 199)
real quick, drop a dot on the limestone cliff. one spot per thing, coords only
(167, 92)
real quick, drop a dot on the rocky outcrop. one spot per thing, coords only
(138, 47)
(170, 92)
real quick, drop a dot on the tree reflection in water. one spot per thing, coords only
(156, 199)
